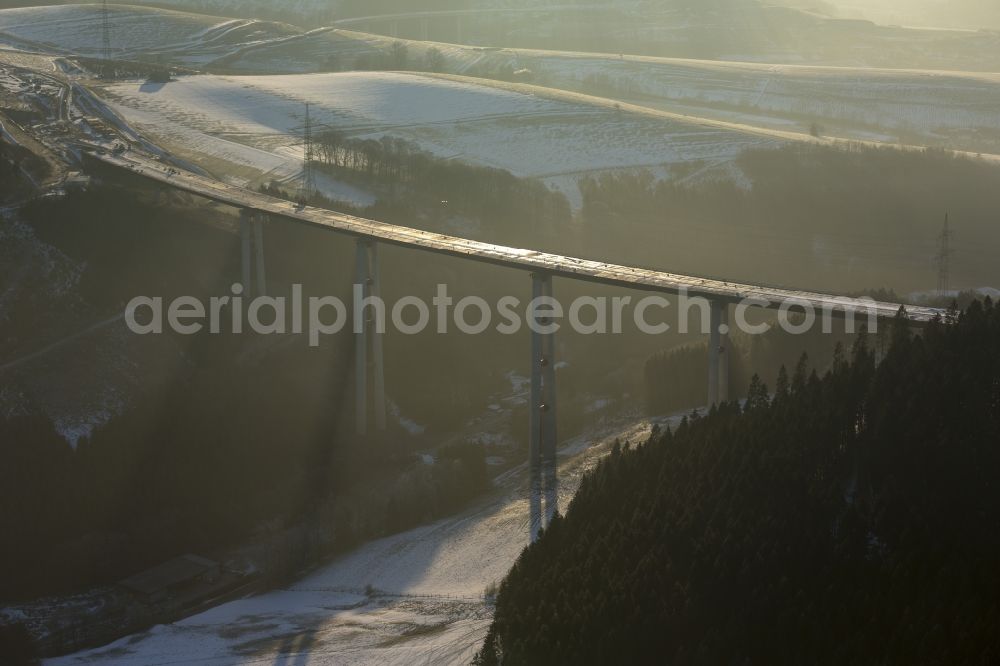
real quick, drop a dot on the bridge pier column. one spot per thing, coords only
(718, 354)
(258, 241)
(549, 430)
(246, 263)
(368, 365)
(252, 254)
(724, 353)
(543, 437)
(378, 356)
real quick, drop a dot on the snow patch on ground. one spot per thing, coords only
(408, 424)
(77, 426)
(415, 597)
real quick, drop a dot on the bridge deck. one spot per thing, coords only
(522, 259)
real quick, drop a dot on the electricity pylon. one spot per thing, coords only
(944, 258)
(105, 31)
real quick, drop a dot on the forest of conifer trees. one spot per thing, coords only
(845, 519)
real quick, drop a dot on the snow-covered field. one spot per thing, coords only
(136, 31)
(427, 609)
(947, 109)
(528, 132)
(301, 8)
(935, 106)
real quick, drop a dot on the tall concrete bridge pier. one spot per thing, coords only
(253, 273)
(718, 354)
(542, 435)
(369, 366)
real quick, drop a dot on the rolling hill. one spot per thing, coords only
(137, 32)
(530, 132)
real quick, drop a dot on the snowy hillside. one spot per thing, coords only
(951, 109)
(936, 108)
(939, 108)
(136, 31)
(292, 9)
(427, 606)
(214, 120)
(313, 11)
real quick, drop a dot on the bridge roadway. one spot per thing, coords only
(516, 258)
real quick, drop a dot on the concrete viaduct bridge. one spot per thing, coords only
(542, 267)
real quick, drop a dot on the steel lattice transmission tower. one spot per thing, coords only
(105, 31)
(309, 156)
(944, 257)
